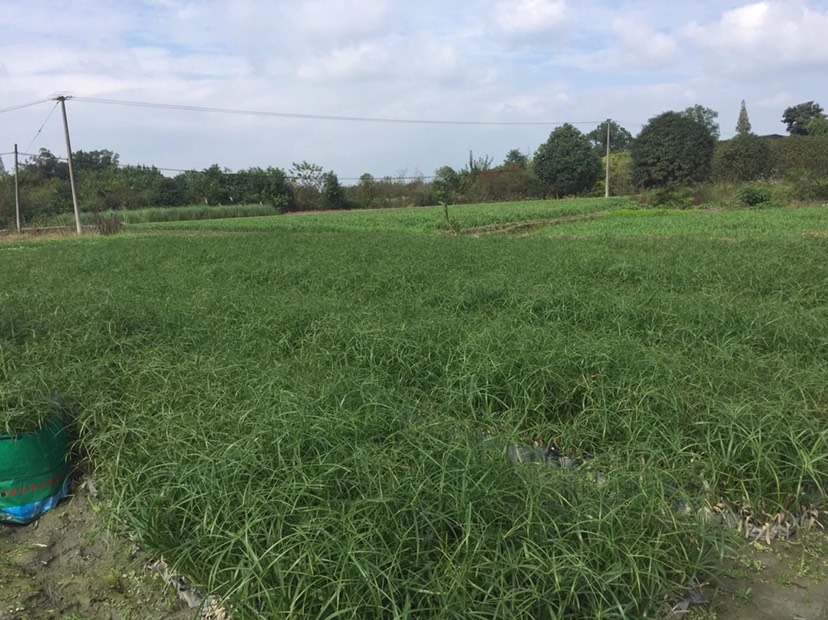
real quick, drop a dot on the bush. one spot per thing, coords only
(108, 223)
(752, 196)
(672, 150)
(798, 154)
(744, 158)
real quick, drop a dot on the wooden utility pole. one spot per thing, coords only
(16, 191)
(62, 100)
(606, 184)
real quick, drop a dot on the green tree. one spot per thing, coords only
(706, 117)
(307, 180)
(818, 126)
(566, 163)
(46, 166)
(620, 138)
(515, 157)
(446, 184)
(672, 148)
(333, 197)
(743, 124)
(797, 117)
(745, 157)
(366, 192)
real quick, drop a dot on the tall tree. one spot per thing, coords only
(620, 138)
(566, 163)
(705, 117)
(333, 197)
(516, 158)
(745, 157)
(798, 116)
(672, 148)
(743, 124)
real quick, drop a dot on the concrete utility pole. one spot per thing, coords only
(16, 192)
(606, 185)
(62, 100)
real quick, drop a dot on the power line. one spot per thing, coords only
(24, 105)
(43, 125)
(319, 117)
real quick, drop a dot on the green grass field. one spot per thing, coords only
(415, 219)
(667, 224)
(316, 420)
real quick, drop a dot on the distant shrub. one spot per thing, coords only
(799, 154)
(744, 158)
(108, 223)
(752, 196)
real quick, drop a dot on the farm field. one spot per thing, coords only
(328, 421)
(786, 223)
(413, 219)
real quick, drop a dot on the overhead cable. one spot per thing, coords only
(318, 117)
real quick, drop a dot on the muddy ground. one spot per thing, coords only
(67, 567)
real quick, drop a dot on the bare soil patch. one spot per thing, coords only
(66, 566)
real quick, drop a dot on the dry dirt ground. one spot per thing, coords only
(67, 567)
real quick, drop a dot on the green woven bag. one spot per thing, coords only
(34, 472)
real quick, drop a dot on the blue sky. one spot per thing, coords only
(486, 60)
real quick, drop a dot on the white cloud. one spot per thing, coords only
(498, 60)
(643, 48)
(531, 17)
(772, 33)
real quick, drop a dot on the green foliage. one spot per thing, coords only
(108, 223)
(754, 196)
(566, 164)
(763, 228)
(309, 428)
(333, 197)
(620, 138)
(796, 155)
(420, 220)
(797, 117)
(672, 149)
(307, 181)
(621, 180)
(705, 117)
(446, 184)
(743, 127)
(516, 157)
(744, 158)
(817, 126)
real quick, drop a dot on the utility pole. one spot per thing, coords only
(16, 192)
(62, 100)
(606, 185)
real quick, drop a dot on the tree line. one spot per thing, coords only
(672, 149)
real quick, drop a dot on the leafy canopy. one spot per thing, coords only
(672, 149)
(797, 117)
(566, 164)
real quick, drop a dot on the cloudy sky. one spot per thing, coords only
(498, 61)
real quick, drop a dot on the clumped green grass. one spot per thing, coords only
(771, 223)
(416, 219)
(169, 214)
(317, 423)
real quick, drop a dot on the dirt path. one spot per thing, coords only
(66, 567)
(784, 581)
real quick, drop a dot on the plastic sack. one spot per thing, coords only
(34, 472)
